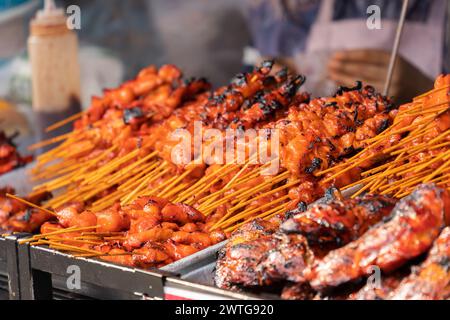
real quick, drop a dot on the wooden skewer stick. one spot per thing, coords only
(395, 50)
(57, 245)
(87, 255)
(31, 204)
(62, 231)
(49, 141)
(249, 212)
(64, 122)
(264, 215)
(80, 241)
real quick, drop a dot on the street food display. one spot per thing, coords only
(122, 195)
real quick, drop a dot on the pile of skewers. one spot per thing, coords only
(414, 150)
(158, 232)
(121, 148)
(338, 247)
(120, 155)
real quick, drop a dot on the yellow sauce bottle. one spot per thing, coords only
(53, 51)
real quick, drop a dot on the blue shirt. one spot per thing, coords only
(281, 27)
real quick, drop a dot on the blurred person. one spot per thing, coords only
(330, 42)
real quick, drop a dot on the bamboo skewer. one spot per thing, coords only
(28, 203)
(64, 122)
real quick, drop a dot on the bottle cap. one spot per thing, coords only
(50, 20)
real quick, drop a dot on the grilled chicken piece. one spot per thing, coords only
(414, 224)
(17, 216)
(338, 222)
(286, 260)
(238, 260)
(9, 157)
(430, 281)
(264, 261)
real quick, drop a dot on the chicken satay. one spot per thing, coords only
(198, 239)
(339, 222)
(181, 213)
(431, 280)
(156, 234)
(268, 104)
(9, 206)
(112, 219)
(217, 236)
(119, 256)
(28, 220)
(178, 250)
(9, 157)
(150, 255)
(414, 224)
(17, 216)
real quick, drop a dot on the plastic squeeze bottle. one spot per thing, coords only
(53, 51)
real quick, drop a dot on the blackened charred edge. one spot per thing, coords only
(316, 163)
(292, 87)
(130, 114)
(343, 89)
(282, 74)
(239, 80)
(267, 64)
(301, 207)
(384, 125)
(27, 216)
(330, 194)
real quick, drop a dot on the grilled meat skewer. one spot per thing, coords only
(338, 222)
(430, 281)
(414, 224)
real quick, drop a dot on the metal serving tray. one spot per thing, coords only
(9, 267)
(45, 274)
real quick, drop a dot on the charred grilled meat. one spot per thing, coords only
(338, 222)
(256, 256)
(430, 281)
(9, 157)
(244, 251)
(18, 217)
(414, 224)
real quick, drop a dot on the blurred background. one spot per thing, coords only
(327, 40)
